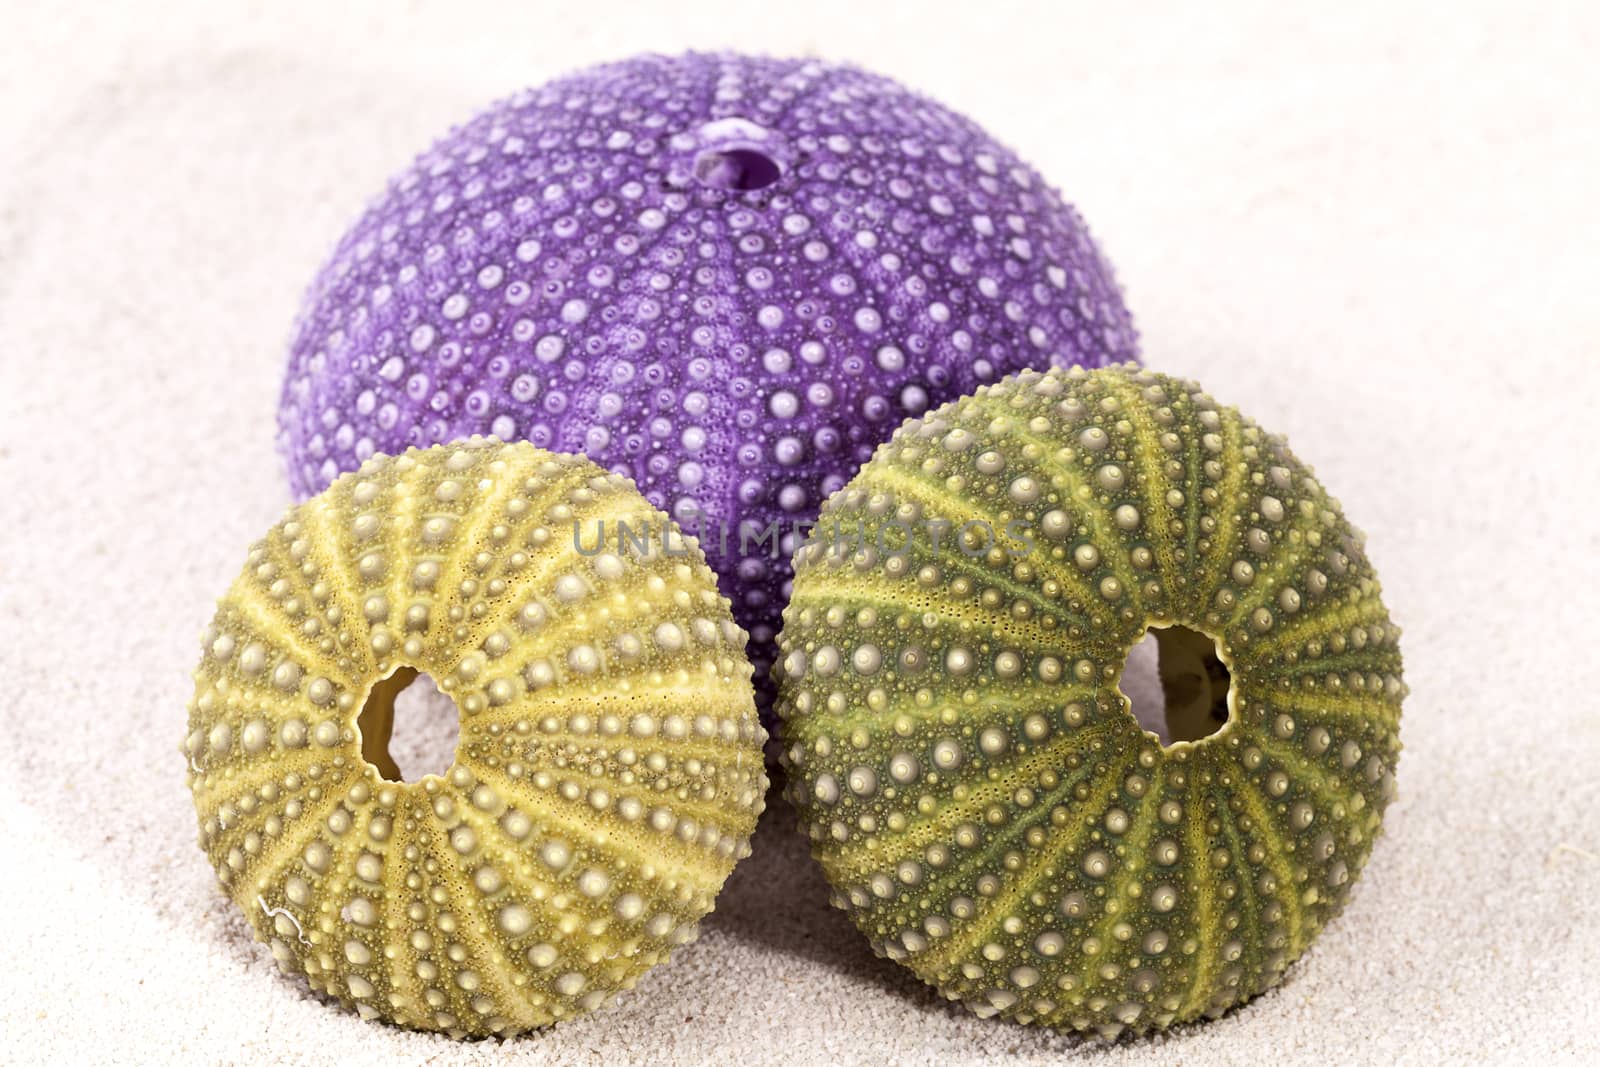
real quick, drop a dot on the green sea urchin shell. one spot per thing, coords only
(609, 769)
(982, 800)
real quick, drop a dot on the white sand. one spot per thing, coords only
(1379, 237)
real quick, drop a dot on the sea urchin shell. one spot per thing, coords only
(727, 277)
(980, 796)
(609, 770)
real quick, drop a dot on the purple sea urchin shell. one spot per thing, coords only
(729, 278)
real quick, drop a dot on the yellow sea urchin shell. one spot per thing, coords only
(985, 805)
(609, 769)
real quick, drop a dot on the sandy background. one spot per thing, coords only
(1377, 234)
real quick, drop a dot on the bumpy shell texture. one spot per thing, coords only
(729, 278)
(974, 783)
(609, 769)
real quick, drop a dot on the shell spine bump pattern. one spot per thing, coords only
(608, 773)
(729, 278)
(984, 804)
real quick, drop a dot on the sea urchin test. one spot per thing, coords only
(981, 797)
(608, 773)
(729, 278)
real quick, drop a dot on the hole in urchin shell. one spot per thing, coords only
(738, 169)
(1177, 684)
(409, 729)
